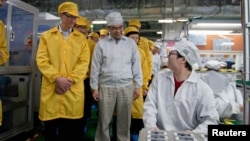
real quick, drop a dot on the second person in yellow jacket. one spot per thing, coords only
(143, 43)
(137, 107)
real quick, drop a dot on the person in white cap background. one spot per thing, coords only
(178, 99)
(156, 59)
(115, 79)
(63, 59)
(4, 55)
(229, 100)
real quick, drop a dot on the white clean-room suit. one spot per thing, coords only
(191, 108)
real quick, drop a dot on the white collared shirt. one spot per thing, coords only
(64, 33)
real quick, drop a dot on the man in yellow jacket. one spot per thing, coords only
(63, 59)
(137, 107)
(144, 45)
(4, 55)
(83, 25)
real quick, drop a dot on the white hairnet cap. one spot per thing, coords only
(114, 18)
(188, 50)
(213, 64)
(158, 45)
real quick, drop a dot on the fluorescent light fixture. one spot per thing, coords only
(214, 32)
(182, 19)
(99, 22)
(218, 24)
(170, 20)
(159, 32)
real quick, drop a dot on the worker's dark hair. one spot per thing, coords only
(188, 66)
(132, 32)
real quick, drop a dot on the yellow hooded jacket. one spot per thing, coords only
(143, 44)
(137, 106)
(91, 45)
(3, 44)
(69, 58)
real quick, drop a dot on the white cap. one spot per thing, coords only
(157, 45)
(188, 50)
(114, 18)
(213, 64)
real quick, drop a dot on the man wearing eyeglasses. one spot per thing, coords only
(115, 79)
(178, 99)
(4, 55)
(63, 59)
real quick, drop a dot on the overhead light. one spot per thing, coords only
(182, 19)
(159, 32)
(218, 24)
(169, 20)
(214, 32)
(99, 22)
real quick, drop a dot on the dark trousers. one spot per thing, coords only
(88, 101)
(64, 130)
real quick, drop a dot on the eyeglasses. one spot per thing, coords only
(69, 16)
(172, 53)
(116, 28)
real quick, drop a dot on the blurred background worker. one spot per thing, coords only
(144, 45)
(103, 33)
(4, 54)
(156, 59)
(178, 99)
(94, 36)
(63, 59)
(137, 107)
(83, 26)
(229, 100)
(116, 79)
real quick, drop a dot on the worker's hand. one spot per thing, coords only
(145, 92)
(63, 84)
(95, 94)
(136, 93)
(59, 90)
(241, 107)
(153, 128)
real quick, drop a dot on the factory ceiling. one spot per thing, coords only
(149, 11)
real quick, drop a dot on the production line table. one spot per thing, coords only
(161, 135)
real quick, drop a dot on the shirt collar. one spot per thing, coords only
(60, 29)
(109, 37)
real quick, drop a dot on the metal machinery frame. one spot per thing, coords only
(17, 93)
(246, 73)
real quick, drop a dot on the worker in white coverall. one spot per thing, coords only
(229, 100)
(178, 99)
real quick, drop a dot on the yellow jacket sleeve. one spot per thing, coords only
(3, 45)
(143, 44)
(145, 70)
